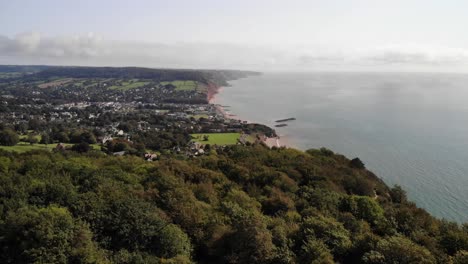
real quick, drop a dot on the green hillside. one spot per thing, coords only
(239, 204)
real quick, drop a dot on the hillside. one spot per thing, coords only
(239, 204)
(219, 77)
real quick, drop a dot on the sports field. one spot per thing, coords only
(217, 138)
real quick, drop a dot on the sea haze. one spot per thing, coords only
(410, 129)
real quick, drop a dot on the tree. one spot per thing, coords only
(172, 242)
(398, 250)
(79, 136)
(277, 203)
(88, 137)
(8, 137)
(35, 124)
(126, 223)
(45, 139)
(363, 207)
(453, 239)
(61, 137)
(81, 147)
(397, 194)
(120, 146)
(461, 257)
(329, 231)
(32, 139)
(326, 152)
(249, 241)
(315, 252)
(46, 235)
(357, 163)
(21, 127)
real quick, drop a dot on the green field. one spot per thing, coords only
(217, 138)
(24, 147)
(183, 85)
(38, 137)
(127, 85)
(200, 116)
(79, 83)
(4, 75)
(88, 83)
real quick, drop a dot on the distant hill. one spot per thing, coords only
(22, 68)
(219, 77)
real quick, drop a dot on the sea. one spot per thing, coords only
(410, 129)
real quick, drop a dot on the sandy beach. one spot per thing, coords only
(220, 109)
(274, 142)
(269, 141)
(278, 141)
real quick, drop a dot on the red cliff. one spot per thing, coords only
(212, 90)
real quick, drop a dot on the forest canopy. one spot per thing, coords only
(239, 204)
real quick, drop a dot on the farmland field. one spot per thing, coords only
(183, 85)
(24, 147)
(200, 116)
(4, 75)
(127, 85)
(57, 82)
(217, 138)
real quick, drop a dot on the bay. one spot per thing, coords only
(410, 129)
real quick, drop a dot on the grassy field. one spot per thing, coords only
(91, 83)
(217, 138)
(24, 147)
(79, 83)
(127, 85)
(183, 85)
(4, 75)
(200, 116)
(56, 82)
(38, 137)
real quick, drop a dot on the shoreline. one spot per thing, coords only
(271, 142)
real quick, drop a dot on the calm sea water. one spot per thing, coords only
(410, 129)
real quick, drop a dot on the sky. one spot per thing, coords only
(292, 35)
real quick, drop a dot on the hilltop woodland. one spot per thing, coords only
(239, 204)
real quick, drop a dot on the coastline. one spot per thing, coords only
(271, 142)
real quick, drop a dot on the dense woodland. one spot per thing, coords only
(239, 204)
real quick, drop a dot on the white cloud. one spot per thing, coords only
(27, 42)
(92, 49)
(420, 55)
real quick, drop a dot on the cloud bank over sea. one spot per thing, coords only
(95, 50)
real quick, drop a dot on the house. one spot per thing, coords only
(150, 156)
(106, 139)
(60, 147)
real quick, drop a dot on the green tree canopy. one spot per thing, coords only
(8, 137)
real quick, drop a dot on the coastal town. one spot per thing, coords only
(57, 108)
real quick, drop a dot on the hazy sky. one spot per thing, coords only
(397, 35)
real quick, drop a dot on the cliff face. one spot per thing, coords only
(212, 90)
